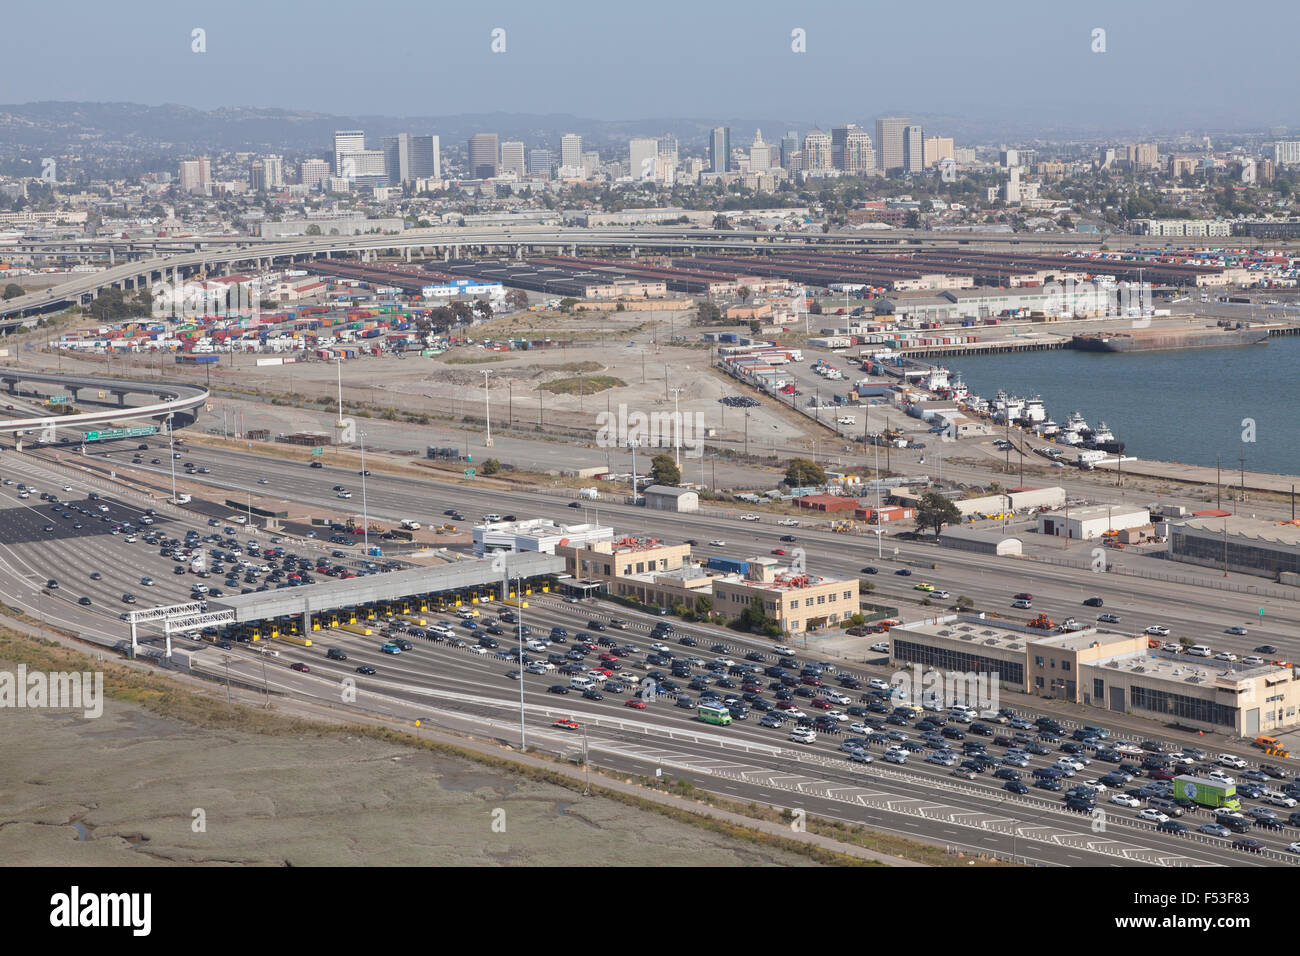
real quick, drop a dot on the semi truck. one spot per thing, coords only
(1207, 792)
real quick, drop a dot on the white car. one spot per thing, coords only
(1153, 815)
(717, 544)
(881, 647)
(858, 727)
(1280, 799)
(835, 714)
(1158, 630)
(1221, 777)
(1225, 656)
(1171, 647)
(794, 713)
(1233, 761)
(1253, 661)
(659, 647)
(877, 684)
(1066, 768)
(1127, 747)
(799, 735)
(782, 649)
(726, 662)
(896, 755)
(1238, 630)
(789, 522)
(1182, 759)
(940, 594)
(838, 698)
(750, 517)
(477, 649)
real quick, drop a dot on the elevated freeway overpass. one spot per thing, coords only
(180, 402)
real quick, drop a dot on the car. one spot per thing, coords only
(1293, 847)
(557, 689)
(390, 648)
(565, 723)
(1152, 815)
(1231, 760)
(1022, 604)
(1048, 783)
(84, 601)
(869, 570)
(1280, 800)
(1093, 602)
(718, 543)
(635, 703)
(1225, 656)
(1172, 826)
(1125, 800)
(147, 581)
(300, 667)
(366, 669)
(1248, 845)
(315, 464)
(1237, 629)
(128, 598)
(1157, 630)
(923, 586)
(1266, 649)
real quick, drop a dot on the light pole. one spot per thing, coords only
(677, 427)
(365, 516)
(487, 409)
(519, 606)
(632, 443)
(171, 444)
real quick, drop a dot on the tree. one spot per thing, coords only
(744, 292)
(709, 313)
(935, 511)
(801, 472)
(313, 230)
(483, 308)
(490, 467)
(13, 290)
(756, 620)
(664, 471)
(517, 299)
(720, 222)
(567, 304)
(462, 311)
(703, 607)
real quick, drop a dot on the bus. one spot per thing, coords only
(714, 714)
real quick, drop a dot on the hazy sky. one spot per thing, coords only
(1167, 64)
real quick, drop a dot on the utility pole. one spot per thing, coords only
(746, 432)
(1218, 484)
(677, 427)
(1242, 496)
(519, 606)
(487, 409)
(365, 515)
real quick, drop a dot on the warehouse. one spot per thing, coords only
(1248, 545)
(1087, 524)
(667, 498)
(982, 542)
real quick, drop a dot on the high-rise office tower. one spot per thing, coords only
(816, 151)
(789, 146)
(196, 175)
(312, 172)
(273, 168)
(483, 155)
(512, 159)
(668, 150)
(347, 141)
(642, 154)
(720, 150)
(913, 149)
(256, 176)
(408, 158)
(851, 150)
(889, 142)
(571, 150)
(539, 162)
(760, 154)
(937, 149)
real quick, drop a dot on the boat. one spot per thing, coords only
(1034, 411)
(1148, 340)
(1048, 429)
(1102, 438)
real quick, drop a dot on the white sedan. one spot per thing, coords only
(877, 684)
(717, 544)
(1153, 815)
(659, 647)
(1225, 656)
(858, 727)
(782, 649)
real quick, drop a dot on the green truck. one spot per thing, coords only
(1207, 792)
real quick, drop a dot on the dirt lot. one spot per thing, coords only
(123, 790)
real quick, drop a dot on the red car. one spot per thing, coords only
(778, 551)
(566, 724)
(609, 658)
(636, 702)
(603, 670)
(299, 666)
(822, 704)
(811, 681)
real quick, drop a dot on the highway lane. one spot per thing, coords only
(1200, 613)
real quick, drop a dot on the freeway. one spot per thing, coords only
(744, 760)
(1193, 609)
(173, 398)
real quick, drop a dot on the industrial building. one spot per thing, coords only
(540, 535)
(982, 542)
(1246, 545)
(1108, 670)
(666, 498)
(1090, 523)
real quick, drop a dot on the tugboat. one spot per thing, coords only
(1072, 431)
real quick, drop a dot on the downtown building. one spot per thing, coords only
(890, 134)
(484, 155)
(408, 158)
(852, 150)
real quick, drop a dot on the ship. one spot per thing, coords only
(1102, 438)
(1149, 340)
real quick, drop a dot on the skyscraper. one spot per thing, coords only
(760, 154)
(642, 154)
(312, 172)
(816, 151)
(851, 150)
(483, 155)
(539, 162)
(426, 157)
(913, 149)
(720, 149)
(273, 167)
(789, 146)
(937, 149)
(571, 150)
(668, 149)
(512, 159)
(889, 142)
(196, 175)
(347, 141)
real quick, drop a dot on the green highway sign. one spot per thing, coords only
(318, 451)
(469, 472)
(109, 434)
(58, 400)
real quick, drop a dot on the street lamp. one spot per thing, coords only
(677, 427)
(487, 408)
(519, 606)
(365, 517)
(171, 444)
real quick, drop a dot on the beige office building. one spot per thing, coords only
(890, 132)
(937, 149)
